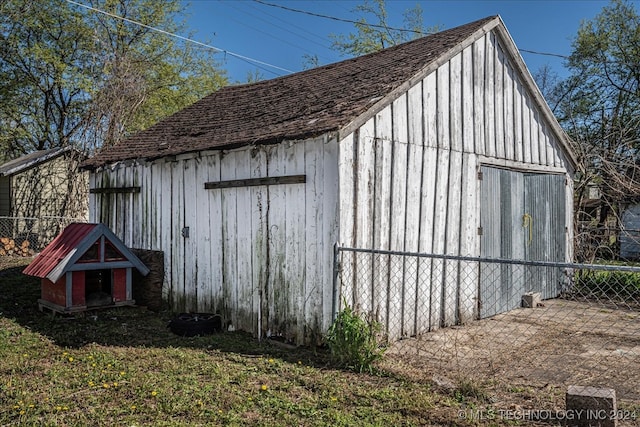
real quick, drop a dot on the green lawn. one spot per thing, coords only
(123, 367)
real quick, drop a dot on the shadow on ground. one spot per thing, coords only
(124, 326)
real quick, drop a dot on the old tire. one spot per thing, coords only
(195, 324)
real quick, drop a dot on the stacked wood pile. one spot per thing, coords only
(9, 247)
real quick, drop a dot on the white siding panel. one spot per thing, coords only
(452, 233)
(442, 106)
(330, 222)
(398, 214)
(489, 97)
(478, 77)
(190, 221)
(294, 164)
(454, 107)
(244, 219)
(468, 91)
(229, 237)
(509, 104)
(259, 242)
(499, 101)
(382, 210)
(212, 288)
(365, 179)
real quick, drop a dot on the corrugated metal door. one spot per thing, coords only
(545, 228)
(522, 217)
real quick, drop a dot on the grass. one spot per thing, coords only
(124, 367)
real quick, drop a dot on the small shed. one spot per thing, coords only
(85, 267)
(439, 145)
(44, 183)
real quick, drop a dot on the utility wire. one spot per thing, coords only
(349, 21)
(306, 12)
(235, 55)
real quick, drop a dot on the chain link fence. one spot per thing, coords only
(21, 236)
(525, 330)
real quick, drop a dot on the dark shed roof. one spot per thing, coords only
(31, 160)
(296, 106)
(67, 248)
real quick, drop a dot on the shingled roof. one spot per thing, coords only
(296, 106)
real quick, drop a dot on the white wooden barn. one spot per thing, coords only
(248, 190)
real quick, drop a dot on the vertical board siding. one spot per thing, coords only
(248, 248)
(414, 187)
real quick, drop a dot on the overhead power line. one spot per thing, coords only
(167, 33)
(349, 21)
(334, 18)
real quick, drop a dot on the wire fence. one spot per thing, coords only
(525, 329)
(21, 236)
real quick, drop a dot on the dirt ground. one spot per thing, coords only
(528, 357)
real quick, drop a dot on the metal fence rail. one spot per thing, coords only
(516, 323)
(21, 236)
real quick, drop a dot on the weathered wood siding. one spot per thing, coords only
(260, 255)
(409, 182)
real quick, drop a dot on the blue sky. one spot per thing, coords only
(282, 38)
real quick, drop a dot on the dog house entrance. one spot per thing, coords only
(98, 288)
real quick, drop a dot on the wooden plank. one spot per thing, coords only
(177, 258)
(469, 242)
(490, 97)
(278, 292)
(382, 214)
(533, 132)
(443, 106)
(259, 233)
(455, 103)
(365, 176)
(467, 118)
(415, 109)
(518, 120)
(348, 210)
(202, 237)
(398, 217)
(412, 235)
(313, 304)
(452, 245)
(526, 126)
(330, 227)
(295, 243)
(271, 180)
(196, 218)
(438, 291)
(509, 102)
(167, 229)
(229, 301)
(430, 111)
(499, 102)
(243, 216)
(478, 81)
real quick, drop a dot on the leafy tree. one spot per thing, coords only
(599, 106)
(69, 75)
(371, 37)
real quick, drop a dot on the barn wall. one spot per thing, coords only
(409, 182)
(261, 255)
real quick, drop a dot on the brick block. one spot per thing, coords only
(591, 406)
(531, 299)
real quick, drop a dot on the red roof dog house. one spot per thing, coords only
(85, 267)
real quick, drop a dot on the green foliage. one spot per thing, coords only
(372, 37)
(69, 75)
(614, 285)
(353, 340)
